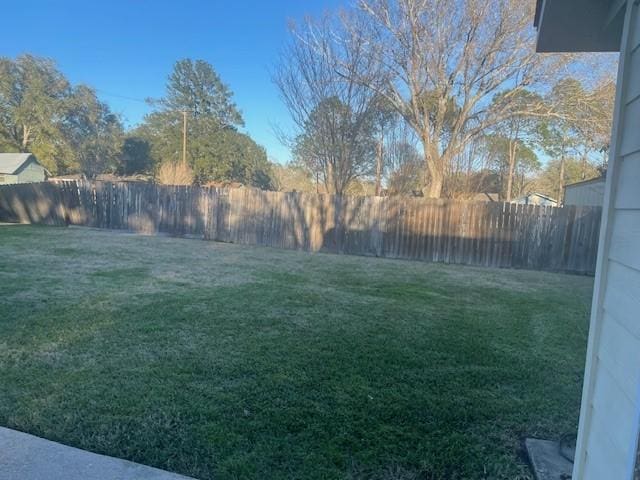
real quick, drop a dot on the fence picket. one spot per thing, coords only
(490, 234)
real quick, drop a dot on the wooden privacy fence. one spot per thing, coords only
(492, 234)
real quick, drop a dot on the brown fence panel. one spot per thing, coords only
(32, 203)
(486, 234)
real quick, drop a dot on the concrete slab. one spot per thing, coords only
(25, 457)
(546, 460)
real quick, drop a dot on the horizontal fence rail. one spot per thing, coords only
(493, 234)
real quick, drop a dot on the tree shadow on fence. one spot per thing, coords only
(491, 234)
(37, 203)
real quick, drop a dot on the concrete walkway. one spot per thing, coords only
(25, 457)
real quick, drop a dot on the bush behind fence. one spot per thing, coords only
(494, 234)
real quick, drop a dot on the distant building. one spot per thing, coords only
(20, 168)
(586, 193)
(535, 198)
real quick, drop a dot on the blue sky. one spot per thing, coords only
(127, 48)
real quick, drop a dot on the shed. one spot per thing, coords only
(535, 198)
(588, 193)
(21, 168)
(607, 445)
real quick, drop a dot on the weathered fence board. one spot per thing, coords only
(32, 203)
(492, 234)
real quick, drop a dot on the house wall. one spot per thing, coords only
(610, 418)
(6, 179)
(589, 194)
(32, 172)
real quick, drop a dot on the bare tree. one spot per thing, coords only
(386, 124)
(580, 126)
(439, 63)
(594, 120)
(470, 172)
(515, 132)
(402, 160)
(334, 114)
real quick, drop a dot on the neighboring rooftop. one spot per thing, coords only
(10, 163)
(537, 194)
(586, 182)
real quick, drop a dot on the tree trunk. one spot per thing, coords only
(379, 160)
(513, 150)
(561, 182)
(330, 182)
(435, 180)
(26, 132)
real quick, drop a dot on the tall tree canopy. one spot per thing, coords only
(514, 161)
(573, 170)
(441, 62)
(455, 71)
(196, 88)
(336, 144)
(335, 117)
(580, 128)
(136, 156)
(510, 143)
(93, 133)
(66, 127)
(216, 150)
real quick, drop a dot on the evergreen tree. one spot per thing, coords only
(196, 88)
(216, 150)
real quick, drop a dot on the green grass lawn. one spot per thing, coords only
(225, 361)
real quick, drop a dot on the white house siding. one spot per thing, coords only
(32, 172)
(5, 178)
(610, 418)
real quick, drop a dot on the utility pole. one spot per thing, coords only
(184, 137)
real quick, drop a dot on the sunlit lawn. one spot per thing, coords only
(225, 361)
